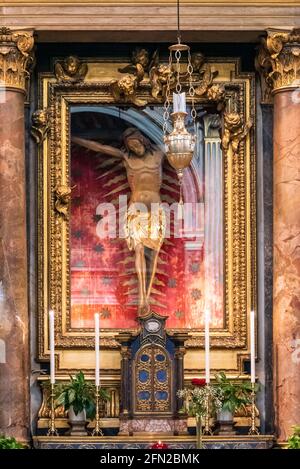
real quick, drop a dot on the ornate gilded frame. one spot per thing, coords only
(51, 127)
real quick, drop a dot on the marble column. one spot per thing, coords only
(280, 57)
(15, 61)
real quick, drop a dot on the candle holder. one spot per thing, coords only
(207, 427)
(52, 429)
(253, 429)
(97, 430)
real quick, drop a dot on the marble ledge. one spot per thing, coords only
(144, 442)
(149, 16)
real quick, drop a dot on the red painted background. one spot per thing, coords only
(103, 277)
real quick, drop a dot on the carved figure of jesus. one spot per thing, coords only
(145, 219)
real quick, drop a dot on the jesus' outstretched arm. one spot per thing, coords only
(95, 146)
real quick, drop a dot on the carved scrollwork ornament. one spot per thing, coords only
(70, 70)
(40, 125)
(16, 58)
(278, 60)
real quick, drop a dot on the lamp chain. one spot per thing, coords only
(167, 102)
(178, 84)
(178, 22)
(191, 89)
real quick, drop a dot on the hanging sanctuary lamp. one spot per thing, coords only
(179, 143)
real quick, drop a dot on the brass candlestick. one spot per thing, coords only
(253, 429)
(207, 428)
(97, 430)
(52, 429)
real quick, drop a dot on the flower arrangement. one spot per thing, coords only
(195, 398)
(195, 403)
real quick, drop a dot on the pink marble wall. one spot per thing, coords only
(14, 364)
(286, 310)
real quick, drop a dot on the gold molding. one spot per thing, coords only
(278, 62)
(16, 58)
(239, 209)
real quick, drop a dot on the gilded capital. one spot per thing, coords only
(278, 61)
(16, 58)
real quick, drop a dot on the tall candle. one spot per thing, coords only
(252, 345)
(97, 343)
(52, 347)
(207, 357)
(179, 102)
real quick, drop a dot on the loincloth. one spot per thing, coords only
(145, 227)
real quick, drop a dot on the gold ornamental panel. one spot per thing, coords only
(112, 82)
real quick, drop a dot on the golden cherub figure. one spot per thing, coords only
(235, 130)
(71, 69)
(203, 69)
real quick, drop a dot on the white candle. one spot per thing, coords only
(207, 357)
(179, 102)
(252, 345)
(52, 348)
(97, 366)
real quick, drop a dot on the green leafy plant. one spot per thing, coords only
(80, 394)
(235, 395)
(10, 443)
(294, 439)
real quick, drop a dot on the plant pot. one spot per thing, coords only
(77, 423)
(226, 425)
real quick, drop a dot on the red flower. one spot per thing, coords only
(198, 382)
(159, 445)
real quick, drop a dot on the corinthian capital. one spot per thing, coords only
(278, 61)
(16, 58)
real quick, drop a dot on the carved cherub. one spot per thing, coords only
(139, 64)
(71, 69)
(158, 78)
(62, 199)
(142, 65)
(125, 89)
(40, 124)
(204, 72)
(234, 131)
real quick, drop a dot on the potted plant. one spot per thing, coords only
(10, 443)
(78, 398)
(294, 439)
(234, 397)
